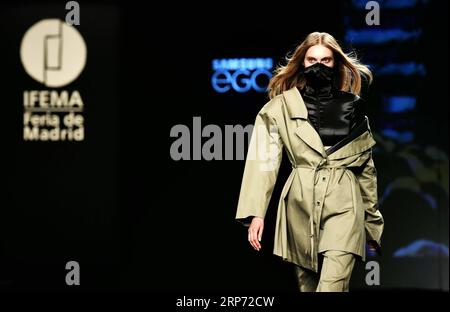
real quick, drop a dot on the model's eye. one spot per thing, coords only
(311, 60)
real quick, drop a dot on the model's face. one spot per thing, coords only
(319, 53)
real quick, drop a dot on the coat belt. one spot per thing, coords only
(322, 165)
(319, 167)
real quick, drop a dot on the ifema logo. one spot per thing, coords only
(54, 54)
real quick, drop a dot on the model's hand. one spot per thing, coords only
(255, 231)
(373, 246)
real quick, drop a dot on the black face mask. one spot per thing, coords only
(319, 75)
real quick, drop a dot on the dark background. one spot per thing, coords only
(134, 218)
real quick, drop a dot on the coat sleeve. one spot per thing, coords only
(261, 168)
(367, 178)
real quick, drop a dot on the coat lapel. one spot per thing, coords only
(305, 131)
(309, 135)
(297, 110)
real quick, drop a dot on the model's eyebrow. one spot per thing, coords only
(324, 58)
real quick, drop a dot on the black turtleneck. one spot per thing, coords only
(333, 113)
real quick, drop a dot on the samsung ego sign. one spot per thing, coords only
(241, 74)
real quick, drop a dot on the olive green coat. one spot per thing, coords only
(329, 201)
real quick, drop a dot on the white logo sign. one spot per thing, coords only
(53, 52)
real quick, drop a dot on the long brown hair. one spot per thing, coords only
(347, 65)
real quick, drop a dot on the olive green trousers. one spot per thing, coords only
(335, 270)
